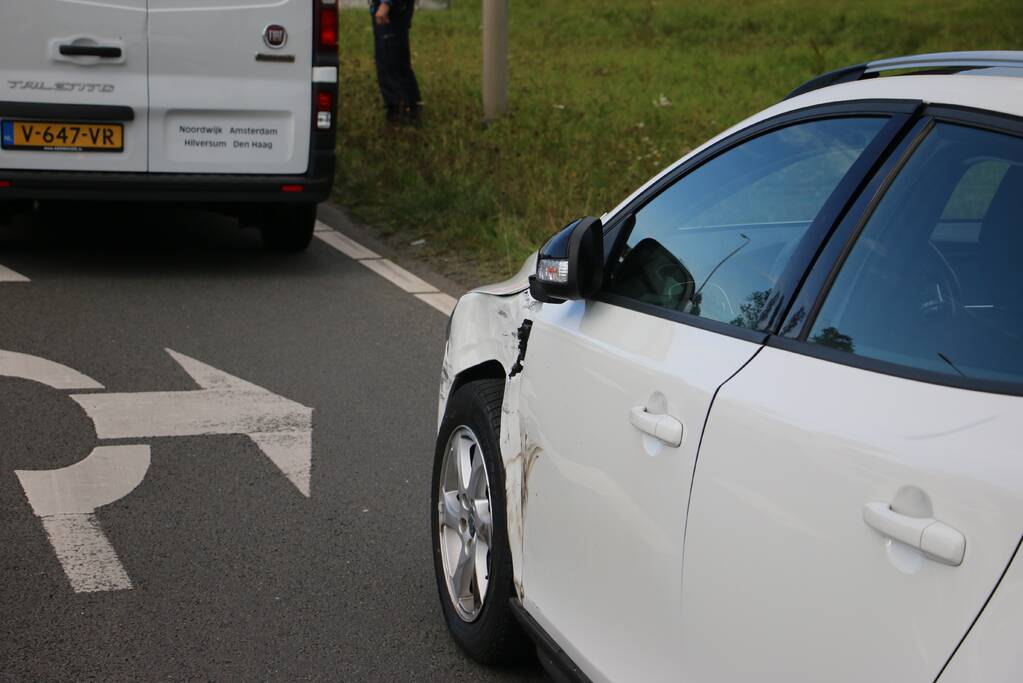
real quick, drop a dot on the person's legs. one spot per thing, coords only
(398, 84)
(385, 42)
(410, 85)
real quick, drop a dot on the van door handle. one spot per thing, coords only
(662, 427)
(101, 51)
(937, 540)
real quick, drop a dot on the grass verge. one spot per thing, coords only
(603, 94)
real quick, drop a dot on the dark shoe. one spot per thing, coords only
(410, 115)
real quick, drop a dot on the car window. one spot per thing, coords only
(714, 243)
(933, 280)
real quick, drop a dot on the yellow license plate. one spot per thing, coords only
(52, 136)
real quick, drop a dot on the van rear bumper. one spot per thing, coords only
(170, 187)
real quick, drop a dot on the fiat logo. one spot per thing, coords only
(275, 36)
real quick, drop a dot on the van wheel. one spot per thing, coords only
(471, 558)
(288, 227)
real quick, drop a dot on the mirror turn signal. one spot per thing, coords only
(571, 265)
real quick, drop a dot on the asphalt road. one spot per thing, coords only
(235, 574)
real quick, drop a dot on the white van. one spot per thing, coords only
(213, 102)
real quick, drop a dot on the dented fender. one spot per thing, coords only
(485, 328)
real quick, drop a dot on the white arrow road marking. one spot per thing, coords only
(8, 275)
(281, 428)
(66, 500)
(24, 366)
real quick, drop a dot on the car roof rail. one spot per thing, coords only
(942, 62)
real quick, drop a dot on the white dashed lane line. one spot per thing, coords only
(8, 275)
(386, 269)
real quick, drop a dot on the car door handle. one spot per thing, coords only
(101, 51)
(662, 427)
(937, 540)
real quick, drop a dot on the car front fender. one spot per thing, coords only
(484, 330)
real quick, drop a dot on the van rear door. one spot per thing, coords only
(230, 86)
(73, 92)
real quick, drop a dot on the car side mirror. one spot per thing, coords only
(571, 265)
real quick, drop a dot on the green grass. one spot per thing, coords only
(583, 129)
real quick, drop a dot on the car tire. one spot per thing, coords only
(288, 227)
(492, 635)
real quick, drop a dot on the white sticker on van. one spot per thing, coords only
(229, 137)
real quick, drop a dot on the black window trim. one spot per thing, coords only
(847, 233)
(900, 113)
(822, 272)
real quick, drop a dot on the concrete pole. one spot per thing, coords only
(495, 58)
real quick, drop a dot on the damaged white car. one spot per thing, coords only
(761, 421)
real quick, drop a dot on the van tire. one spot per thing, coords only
(288, 227)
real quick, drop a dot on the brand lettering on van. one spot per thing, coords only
(61, 86)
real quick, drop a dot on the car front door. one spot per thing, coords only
(73, 92)
(615, 391)
(859, 490)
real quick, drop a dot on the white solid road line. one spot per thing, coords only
(386, 269)
(397, 275)
(8, 275)
(346, 245)
(445, 303)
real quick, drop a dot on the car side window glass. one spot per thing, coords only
(933, 280)
(714, 243)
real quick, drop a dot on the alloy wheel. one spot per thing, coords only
(465, 523)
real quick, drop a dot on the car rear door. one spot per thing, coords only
(73, 94)
(230, 86)
(859, 489)
(615, 391)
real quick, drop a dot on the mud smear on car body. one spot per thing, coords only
(517, 473)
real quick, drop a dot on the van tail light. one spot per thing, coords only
(328, 25)
(4, 184)
(324, 110)
(291, 189)
(325, 68)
